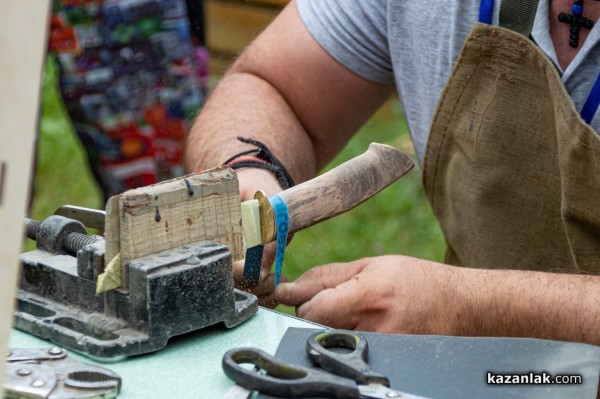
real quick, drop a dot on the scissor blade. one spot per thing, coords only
(237, 392)
(382, 392)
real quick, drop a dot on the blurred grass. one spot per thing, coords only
(62, 175)
(398, 220)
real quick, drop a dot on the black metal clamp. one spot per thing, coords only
(168, 293)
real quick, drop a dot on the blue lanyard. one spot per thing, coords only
(592, 103)
(486, 12)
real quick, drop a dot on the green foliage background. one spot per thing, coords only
(398, 220)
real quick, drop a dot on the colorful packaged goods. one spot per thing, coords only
(132, 81)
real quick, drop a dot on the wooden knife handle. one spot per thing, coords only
(345, 186)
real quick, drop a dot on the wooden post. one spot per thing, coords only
(232, 24)
(170, 214)
(23, 37)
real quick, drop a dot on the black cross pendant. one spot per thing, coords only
(577, 21)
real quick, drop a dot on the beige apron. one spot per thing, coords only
(511, 170)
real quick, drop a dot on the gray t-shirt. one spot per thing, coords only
(415, 43)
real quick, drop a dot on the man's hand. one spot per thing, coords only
(398, 294)
(264, 291)
(254, 179)
(386, 294)
(251, 180)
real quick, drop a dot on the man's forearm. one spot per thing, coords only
(245, 105)
(289, 93)
(531, 304)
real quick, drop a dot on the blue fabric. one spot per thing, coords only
(592, 103)
(281, 227)
(486, 10)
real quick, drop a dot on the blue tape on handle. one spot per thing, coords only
(281, 228)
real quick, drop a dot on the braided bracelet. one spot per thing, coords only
(260, 157)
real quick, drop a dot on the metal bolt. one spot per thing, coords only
(32, 228)
(38, 383)
(394, 395)
(193, 260)
(73, 242)
(55, 351)
(23, 372)
(77, 241)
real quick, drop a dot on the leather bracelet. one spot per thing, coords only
(261, 157)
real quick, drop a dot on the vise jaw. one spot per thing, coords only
(169, 293)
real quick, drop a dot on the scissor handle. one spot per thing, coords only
(284, 379)
(351, 365)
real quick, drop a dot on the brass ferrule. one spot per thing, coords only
(267, 217)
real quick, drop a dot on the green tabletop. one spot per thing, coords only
(190, 365)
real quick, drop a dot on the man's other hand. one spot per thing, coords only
(392, 294)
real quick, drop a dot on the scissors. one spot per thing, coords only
(351, 377)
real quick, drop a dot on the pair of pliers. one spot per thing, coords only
(351, 377)
(50, 373)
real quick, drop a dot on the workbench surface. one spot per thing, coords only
(190, 365)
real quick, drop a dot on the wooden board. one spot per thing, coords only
(23, 30)
(232, 25)
(202, 206)
(271, 3)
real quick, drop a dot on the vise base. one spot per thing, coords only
(169, 293)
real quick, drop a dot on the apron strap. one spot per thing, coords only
(518, 15)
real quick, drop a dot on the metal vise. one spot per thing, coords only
(169, 293)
